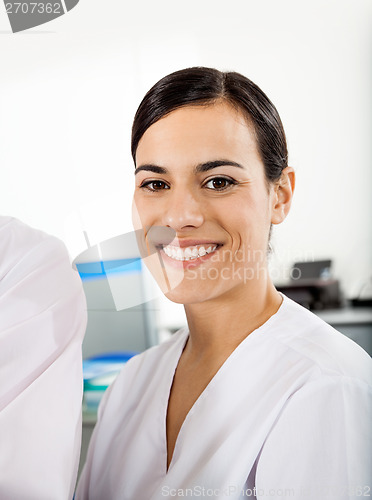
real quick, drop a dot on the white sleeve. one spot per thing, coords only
(42, 324)
(320, 446)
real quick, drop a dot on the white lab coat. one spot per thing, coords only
(42, 323)
(288, 415)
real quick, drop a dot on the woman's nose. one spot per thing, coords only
(182, 211)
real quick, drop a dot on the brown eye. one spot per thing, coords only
(158, 185)
(155, 185)
(219, 183)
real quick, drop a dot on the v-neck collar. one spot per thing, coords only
(176, 355)
(179, 347)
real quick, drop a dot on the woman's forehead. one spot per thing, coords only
(202, 132)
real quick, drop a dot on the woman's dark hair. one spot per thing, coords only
(203, 86)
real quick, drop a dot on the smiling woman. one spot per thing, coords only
(257, 397)
(200, 173)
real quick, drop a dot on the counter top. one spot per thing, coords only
(346, 315)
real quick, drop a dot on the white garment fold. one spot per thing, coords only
(42, 324)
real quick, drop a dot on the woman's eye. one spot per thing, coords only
(154, 185)
(219, 183)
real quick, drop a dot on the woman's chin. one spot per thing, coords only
(186, 293)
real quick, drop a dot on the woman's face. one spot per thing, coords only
(203, 202)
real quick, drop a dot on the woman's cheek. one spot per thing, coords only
(142, 213)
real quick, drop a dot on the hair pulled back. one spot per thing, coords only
(205, 86)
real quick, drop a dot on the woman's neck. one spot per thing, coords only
(219, 325)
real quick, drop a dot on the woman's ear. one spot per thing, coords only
(282, 195)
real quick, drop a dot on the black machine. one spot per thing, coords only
(311, 285)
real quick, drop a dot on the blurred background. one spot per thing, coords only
(70, 88)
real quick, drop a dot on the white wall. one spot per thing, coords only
(69, 90)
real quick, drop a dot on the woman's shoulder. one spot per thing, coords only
(312, 339)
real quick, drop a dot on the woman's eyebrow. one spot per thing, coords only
(201, 167)
(151, 168)
(204, 167)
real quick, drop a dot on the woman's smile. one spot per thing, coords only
(188, 254)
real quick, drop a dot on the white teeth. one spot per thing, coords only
(187, 253)
(194, 252)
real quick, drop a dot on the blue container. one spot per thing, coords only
(98, 373)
